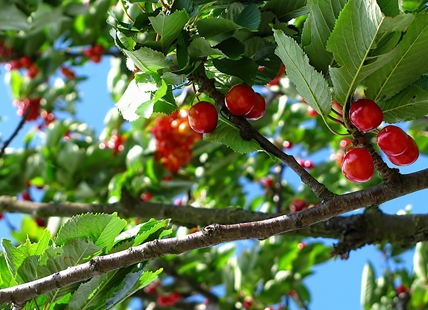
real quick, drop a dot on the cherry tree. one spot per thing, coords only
(212, 98)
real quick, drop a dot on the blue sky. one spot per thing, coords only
(333, 285)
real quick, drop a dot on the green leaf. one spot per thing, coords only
(148, 229)
(137, 97)
(210, 27)
(14, 79)
(409, 104)
(147, 59)
(420, 260)
(310, 84)
(350, 42)
(201, 48)
(249, 17)
(81, 296)
(287, 10)
(368, 285)
(231, 47)
(6, 277)
(15, 256)
(406, 67)
(244, 68)
(132, 283)
(388, 7)
(169, 27)
(317, 29)
(101, 228)
(11, 18)
(227, 134)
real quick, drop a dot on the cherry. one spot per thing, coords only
(301, 245)
(203, 117)
(344, 143)
(276, 80)
(392, 140)
(248, 302)
(409, 156)
(48, 117)
(68, 73)
(13, 65)
(165, 300)
(25, 104)
(40, 222)
(259, 109)
(268, 182)
(365, 114)
(25, 61)
(146, 196)
(312, 112)
(298, 204)
(1, 215)
(287, 145)
(240, 99)
(401, 289)
(358, 165)
(26, 195)
(32, 71)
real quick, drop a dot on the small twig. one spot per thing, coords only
(278, 188)
(15, 133)
(126, 12)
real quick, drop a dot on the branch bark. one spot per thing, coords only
(215, 234)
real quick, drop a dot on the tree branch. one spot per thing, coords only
(15, 132)
(215, 234)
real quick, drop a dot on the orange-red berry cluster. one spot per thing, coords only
(115, 143)
(174, 140)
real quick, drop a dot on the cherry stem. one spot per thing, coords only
(391, 176)
(126, 12)
(15, 132)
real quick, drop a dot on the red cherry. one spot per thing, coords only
(13, 65)
(175, 295)
(240, 99)
(98, 49)
(146, 197)
(248, 302)
(344, 143)
(308, 164)
(26, 196)
(68, 73)
(203, 117)
(268, 182)
(165, 300)
(40, 222)
(401, 289)
(287, 145)
(358, 165)
(276, 80)
(1, 215)
(32, 71)
(408, 157)
(365, 114)
(259, 109)
(25, 61)
(298, 204)
(301, 245)
(392, 140)
(312, 112)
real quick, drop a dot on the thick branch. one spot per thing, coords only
(215, 234)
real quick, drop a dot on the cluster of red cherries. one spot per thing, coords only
(240, 100)
(24, 62)
(400, 148)
(174, 140)
(94, 53)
